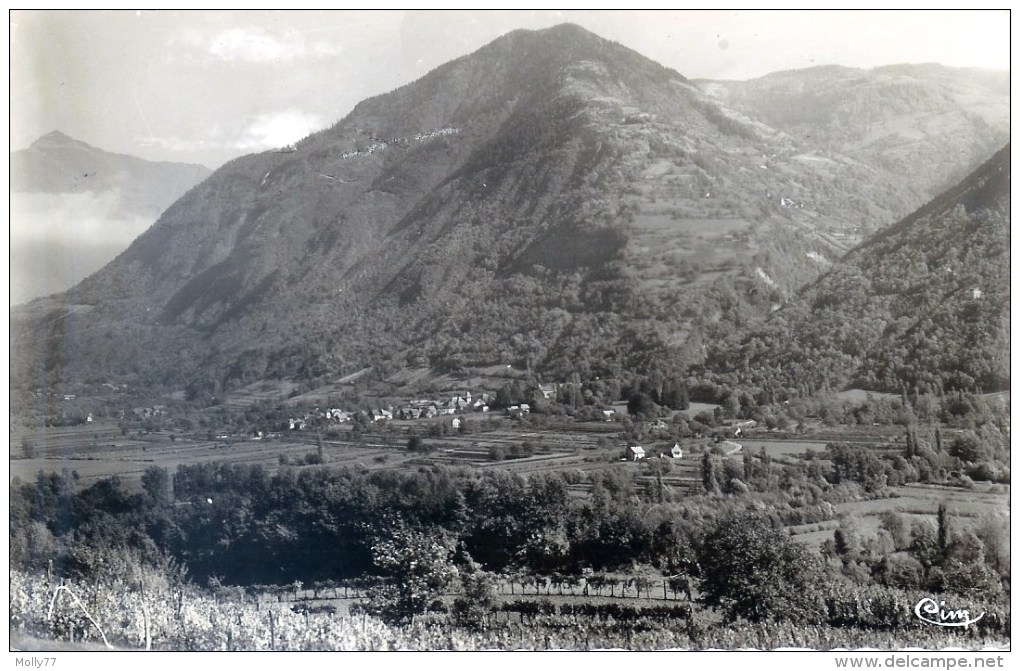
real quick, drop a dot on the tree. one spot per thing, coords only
(416, 444)
(759, 573)
(477, 598)
(641, 404)
(708, 472)
(968, 448)
(417, 568)
(857, 464)
(943, 528)
(847, 538)
(504, 397)
(156, 483)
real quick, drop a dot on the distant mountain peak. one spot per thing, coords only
(571, 30)
(559, 32)
(58, 139)
(562, 43)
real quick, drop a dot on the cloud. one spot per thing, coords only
(255, 132)
(86, 218)
(174, 143)
(278, 129)
(257, 45)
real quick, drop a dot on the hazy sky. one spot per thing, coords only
(208, 86)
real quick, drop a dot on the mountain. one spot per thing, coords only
(906, 119)
(553, 200)
(923, 304)
(75, 207)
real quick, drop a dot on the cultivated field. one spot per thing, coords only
(99, 450)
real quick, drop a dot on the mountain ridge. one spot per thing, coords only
(439, 224)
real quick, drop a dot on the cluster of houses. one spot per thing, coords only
(146, 413)
(400, 141)
(460, 402)
(636, 453)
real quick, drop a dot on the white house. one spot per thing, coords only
(677, 452)
(517, 411)
(636, 452)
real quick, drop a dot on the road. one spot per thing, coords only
(736, 447)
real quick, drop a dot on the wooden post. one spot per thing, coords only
(272, 632)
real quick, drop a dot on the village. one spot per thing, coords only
(452, 403)
(458, 412)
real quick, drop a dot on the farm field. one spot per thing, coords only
(96, 451)
(674, 226)
(914, 502)
(781, 448)
(99, 450)
(694, 408)
(128, 458)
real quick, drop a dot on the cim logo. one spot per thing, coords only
(930, 612)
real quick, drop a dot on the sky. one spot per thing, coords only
(208, 86)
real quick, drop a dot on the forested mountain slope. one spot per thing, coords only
(553, 200)
(923, 304)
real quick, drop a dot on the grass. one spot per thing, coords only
(694, 408)
(128, 459)
(711, 228)
(861, 395)
(785, 448)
